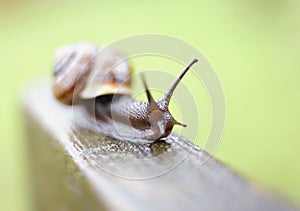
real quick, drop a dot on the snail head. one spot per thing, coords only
(159, 119)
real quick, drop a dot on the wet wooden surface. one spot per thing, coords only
(75, 168)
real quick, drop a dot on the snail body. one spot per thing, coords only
(85, 73)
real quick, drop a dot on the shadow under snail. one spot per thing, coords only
(101, 77)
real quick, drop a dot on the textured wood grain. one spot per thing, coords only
(75, 168)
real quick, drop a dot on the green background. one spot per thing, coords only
(254, 46)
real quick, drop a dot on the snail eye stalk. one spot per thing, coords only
(152, 104)
(169, 94)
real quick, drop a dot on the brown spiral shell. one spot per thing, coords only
(83, 70)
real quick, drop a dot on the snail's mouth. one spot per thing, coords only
(165, 134)
(157, 131)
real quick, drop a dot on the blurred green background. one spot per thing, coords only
(254, 46)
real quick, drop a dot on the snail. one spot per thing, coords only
(85, 73)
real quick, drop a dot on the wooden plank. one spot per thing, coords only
(74, 168)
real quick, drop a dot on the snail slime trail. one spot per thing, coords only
(101, 78)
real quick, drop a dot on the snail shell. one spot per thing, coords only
(83, 71)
